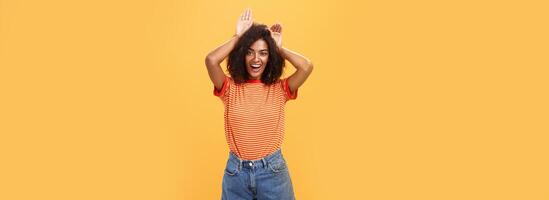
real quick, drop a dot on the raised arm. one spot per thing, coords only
(215, 57)
(303, 65)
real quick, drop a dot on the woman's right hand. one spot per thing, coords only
(244, 22)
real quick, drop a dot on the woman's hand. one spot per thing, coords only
(244, 22)
(276, 34)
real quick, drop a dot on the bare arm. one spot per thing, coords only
(215, 57)
(303, 65)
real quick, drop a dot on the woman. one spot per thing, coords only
(254, 97)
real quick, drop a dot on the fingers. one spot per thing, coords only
(276, 28)
(244, 15)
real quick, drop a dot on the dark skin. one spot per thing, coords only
(303, 66)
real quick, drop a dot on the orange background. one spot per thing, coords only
(408, 100)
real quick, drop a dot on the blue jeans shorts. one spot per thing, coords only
(263, 179)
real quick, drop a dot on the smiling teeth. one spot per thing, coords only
(256, 65)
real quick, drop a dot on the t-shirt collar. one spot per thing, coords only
(253, 81)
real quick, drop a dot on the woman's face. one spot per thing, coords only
(256, 58)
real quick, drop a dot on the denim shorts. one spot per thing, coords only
(263, 179)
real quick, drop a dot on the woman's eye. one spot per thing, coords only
(264, 54)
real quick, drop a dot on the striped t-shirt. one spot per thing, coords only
(254, 116)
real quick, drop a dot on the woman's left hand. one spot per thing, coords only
(276, 34)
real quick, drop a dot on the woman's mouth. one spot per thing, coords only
(256, 67)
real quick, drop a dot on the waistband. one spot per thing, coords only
(262, 162)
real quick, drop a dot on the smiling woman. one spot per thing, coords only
(257, 56)
(257, 47)
(254, 97)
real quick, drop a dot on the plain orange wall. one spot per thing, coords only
(408, 100)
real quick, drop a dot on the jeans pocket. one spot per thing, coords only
(278, 165)
(231, 168)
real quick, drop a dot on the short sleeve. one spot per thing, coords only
(289, 95)
(221, 93)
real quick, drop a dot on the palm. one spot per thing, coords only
(244, 22)
(276, 34)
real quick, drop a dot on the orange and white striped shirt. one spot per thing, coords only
(254, 116)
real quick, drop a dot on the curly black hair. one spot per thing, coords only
(236, 63)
